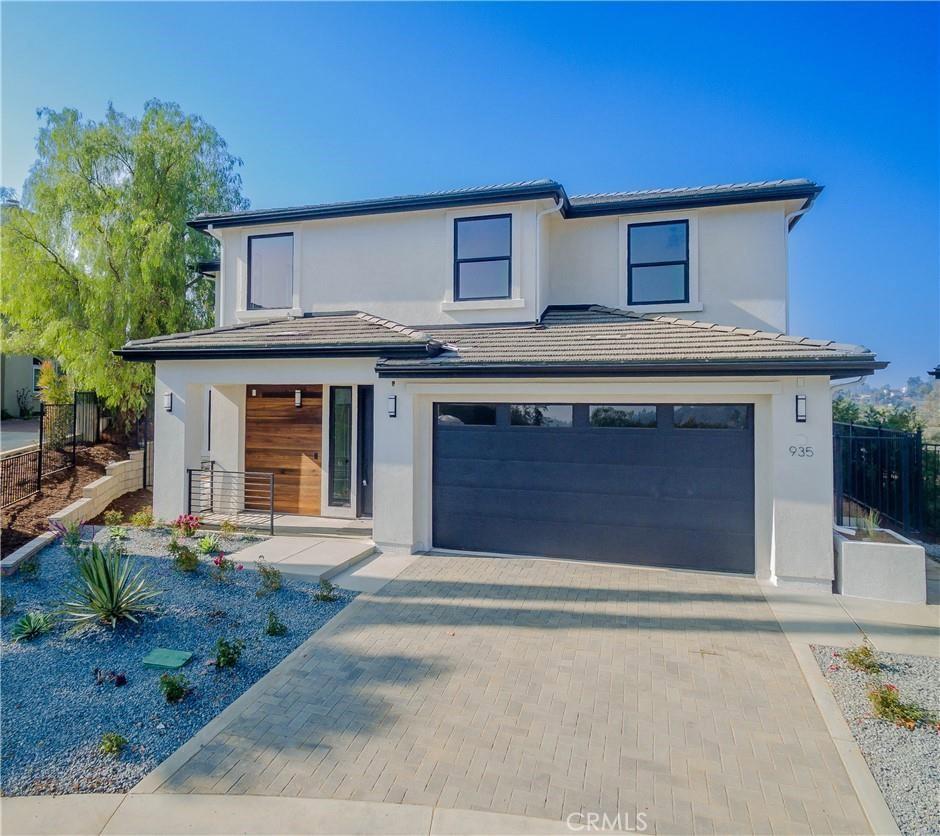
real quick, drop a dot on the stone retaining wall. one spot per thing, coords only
(121, 478)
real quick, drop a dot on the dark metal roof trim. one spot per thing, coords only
(534, 190)
(431, 349)
(808, 192)
(469, 197)
(834, 368)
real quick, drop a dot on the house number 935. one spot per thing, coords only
(802, 451)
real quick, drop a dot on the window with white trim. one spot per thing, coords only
(658, 263)
(271, 271)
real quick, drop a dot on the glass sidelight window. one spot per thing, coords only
(340, 476)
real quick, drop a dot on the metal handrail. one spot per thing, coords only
(211, 490)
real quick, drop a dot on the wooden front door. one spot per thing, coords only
(286, 440)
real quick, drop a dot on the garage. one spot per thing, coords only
(649, 484)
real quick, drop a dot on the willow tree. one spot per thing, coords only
(98, 251)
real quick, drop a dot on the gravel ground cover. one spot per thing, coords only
(54, 713)
(906, 764)
(153, 541)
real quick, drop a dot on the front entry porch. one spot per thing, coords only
(292, 459)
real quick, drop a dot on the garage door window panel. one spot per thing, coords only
(551, 416)
(623, 416)
(710, 417)
(466, 415)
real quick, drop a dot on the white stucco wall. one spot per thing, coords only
(397, 265)
(793, 461)
(738, 260)
(16, 372)
(400, 265)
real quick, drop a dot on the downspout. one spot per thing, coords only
(788, 224)
(538, 252)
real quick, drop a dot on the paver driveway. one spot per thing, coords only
(544, 688)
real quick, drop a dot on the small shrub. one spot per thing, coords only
(70, 534)
(270, 578)
(142, 518)
(862, 658)
(105, 590)
(187, 525)
(29, 569)
(222, 566)
(174, 686)
(327, 591)
(184, 558)
(7, 604)
(869, 524)
(227, 653)
(112, 743)
(275, 627)
(209, 544)
(113, 517)
(886, 703)
(32, 626)
(228, 528)
(116, 534)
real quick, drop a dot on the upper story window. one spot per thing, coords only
(658, 263)
(271, 271)
(483, 257)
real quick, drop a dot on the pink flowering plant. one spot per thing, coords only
(223, 566)
(186, 525)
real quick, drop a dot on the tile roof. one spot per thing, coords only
(580, 338)
(310, 333)
(597, 335)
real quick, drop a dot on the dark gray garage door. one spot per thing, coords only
(662, 485)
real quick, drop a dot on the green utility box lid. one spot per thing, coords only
(164, 657)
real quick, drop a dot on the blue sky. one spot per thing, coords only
(331, 102)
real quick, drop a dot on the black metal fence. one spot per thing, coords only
(143, 438)
(217, 495)
(63, 427)
(889, 471)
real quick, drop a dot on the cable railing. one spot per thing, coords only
(217, 495)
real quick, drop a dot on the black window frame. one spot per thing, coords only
(459, 261)
(248, 303)
(336, 500)
(630, 264)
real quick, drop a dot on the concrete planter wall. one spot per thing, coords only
(121, 478)
(892, 571)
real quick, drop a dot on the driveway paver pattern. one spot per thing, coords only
(546, 688)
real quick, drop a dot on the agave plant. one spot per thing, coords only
(31, 626)
(107, 589)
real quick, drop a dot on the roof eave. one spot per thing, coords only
(835, 369)
(378, 207)
(807, 192)
(150, 355)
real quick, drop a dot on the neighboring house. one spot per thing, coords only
(19, 382)
(512, 370)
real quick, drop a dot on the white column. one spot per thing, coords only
(393, 468)
(177, 439)
(802, 486)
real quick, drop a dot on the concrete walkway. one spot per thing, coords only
(167, 815)
(312, 557)
(541, 689)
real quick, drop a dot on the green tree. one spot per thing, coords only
(846, 410)
(98, 251)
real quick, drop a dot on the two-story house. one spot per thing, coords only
(511, 370)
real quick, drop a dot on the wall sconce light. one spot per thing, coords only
(801, 409)
(168, 401)
(297, 397)
(392, 406)
(254, 393)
